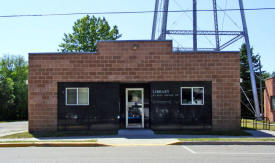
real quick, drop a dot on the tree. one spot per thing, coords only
(86, 32)
(20, 76)
(13, 88)
(246, 84)
(6, 97)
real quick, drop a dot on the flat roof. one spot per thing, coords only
(93, 53)
(174, 51)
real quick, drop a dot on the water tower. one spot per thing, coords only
(189, 35)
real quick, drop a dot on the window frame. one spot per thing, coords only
(77, 104)
(192, 95)
(272, 106)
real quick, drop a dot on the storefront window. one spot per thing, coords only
(186, 96)
(77, 96)
(72, 96)
(192, 95)
(273, 102)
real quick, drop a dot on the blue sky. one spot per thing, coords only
(19, 36)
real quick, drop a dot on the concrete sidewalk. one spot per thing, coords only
(8, 128)
(261, 133)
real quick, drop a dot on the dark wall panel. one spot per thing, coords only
(162, 106)
(167, 111)
(100, 114)
(107, 106)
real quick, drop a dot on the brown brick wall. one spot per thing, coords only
(269, 91)
(119, 62)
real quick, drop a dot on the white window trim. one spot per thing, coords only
(77, 97)
(192, 97)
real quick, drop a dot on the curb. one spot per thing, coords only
(53, 144)
(223, 143)
(135, 145)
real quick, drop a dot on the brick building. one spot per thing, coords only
(134, 84)
(269, 99)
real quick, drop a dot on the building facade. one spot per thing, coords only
(134, 84)
(269, 99)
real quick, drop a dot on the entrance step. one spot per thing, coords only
(135, 132)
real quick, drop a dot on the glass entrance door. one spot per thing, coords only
(134, 108)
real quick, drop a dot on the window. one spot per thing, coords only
(273, 102)
(192, 95)
(77, 96)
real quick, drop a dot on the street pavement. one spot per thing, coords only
(9, 128)
(141, 154)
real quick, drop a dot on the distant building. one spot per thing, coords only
(269, 99)
(134, 84)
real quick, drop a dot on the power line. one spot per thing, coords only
(128, 12)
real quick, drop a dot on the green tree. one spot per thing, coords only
(246, 84)
(20, 76)
(6, 97)
(86, 32)
(13, 88)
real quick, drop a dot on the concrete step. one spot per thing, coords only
(135, 132)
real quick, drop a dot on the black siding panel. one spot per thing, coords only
(101, 114)
(167, 112)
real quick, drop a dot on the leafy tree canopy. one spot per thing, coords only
(13, 88)
(86, 32)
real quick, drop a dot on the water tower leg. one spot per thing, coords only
(249, 55)
(195, 46)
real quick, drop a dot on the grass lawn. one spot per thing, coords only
(11, 121)
(55, 141)
(226, 139)
(56, 134)
(249, 125)
(223, 133)
(3, 121)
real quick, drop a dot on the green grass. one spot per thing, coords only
(206, 132)
(56, 134)
(55, 141)
(12, 121)
(3, 121)
(249, 125)
(226, 139)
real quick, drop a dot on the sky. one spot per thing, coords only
(22, 35)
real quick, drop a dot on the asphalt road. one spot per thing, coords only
(13, 127)
(139, 154)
